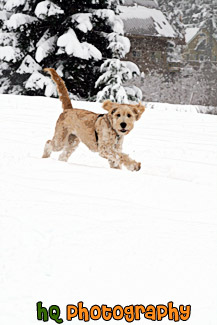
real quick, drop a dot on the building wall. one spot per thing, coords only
(149, 53)
(194, 55)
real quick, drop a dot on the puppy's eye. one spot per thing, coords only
(128, 115)
(118, 115)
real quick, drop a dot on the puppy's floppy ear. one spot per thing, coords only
(138, 110)
(107, 105)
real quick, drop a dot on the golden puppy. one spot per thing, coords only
(101, 133)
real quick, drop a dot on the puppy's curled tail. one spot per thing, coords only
(61, 88)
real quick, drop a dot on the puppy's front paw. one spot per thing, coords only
(115, 165)
(135, 166)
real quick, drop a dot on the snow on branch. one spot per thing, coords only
(90, 51)
(119, 45)
(11, 4)
(28, 66)
(46, 48)
(44, 38)
(113, 20)
(115, 73)
(133, 92)
(46, 9)
(38, 81)
(10, 54)
(4, 15)
(51, 89)
(18, 20)
(133, 68)
(71, 45)
(8, 39)
(83, 21)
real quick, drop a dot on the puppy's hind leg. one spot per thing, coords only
(52, 145)
(70, 147)
(47, 149)
(57, 143)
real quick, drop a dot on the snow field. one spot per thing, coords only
(79, 231)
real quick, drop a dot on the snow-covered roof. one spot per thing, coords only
(140, 20)
(190, 33)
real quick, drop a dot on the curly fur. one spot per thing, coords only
(100, 133)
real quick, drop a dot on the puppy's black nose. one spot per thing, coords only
(123, 125)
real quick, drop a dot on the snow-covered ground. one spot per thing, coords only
(79, 231)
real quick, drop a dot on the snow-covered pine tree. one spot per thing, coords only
(16, 44)
(116, 76)
(172, 11)
(4, 40)
(196, 12)
(69, 35)
(192, 14)
(114, 83)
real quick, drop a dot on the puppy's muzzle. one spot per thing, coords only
(123, 127)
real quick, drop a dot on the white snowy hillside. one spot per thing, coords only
(80, 231)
